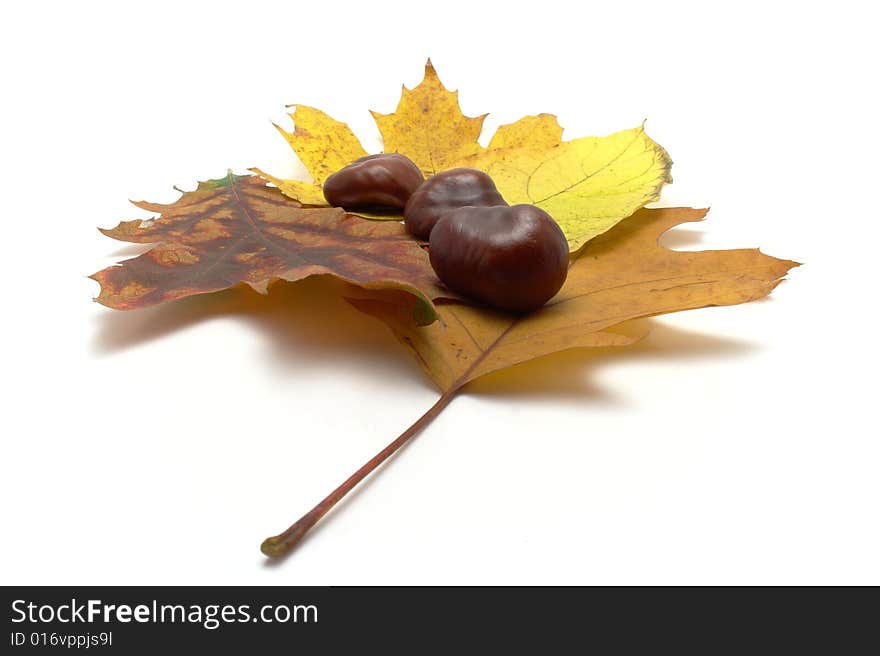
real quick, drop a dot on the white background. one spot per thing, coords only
(735, 445)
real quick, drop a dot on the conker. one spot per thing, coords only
(447, 191)
(511, 258)
(376, 183)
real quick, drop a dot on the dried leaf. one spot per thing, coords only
(237, 230)
(587, 184)
(533, 132)
(324, 145)
(621, 275)
(428, 126)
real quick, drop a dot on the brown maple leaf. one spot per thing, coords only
(621, 275)
(236, 230)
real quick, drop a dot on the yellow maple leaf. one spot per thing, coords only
(586, 184)
(323, 144)
(429, 128)
(541, 131)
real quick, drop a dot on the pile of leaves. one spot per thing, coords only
(258, 229)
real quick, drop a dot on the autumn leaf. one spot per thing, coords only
(323, 145)
(429, 127)
(237, 230)
(586, 184)
(622, 275)
(532, 132)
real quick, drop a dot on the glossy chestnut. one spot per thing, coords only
(445, 192)
(511, 258)
(376, 183)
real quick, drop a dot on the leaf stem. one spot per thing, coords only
(280, 544)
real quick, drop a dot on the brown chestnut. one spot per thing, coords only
(511, 258)
(376, 183)
(447, 191)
